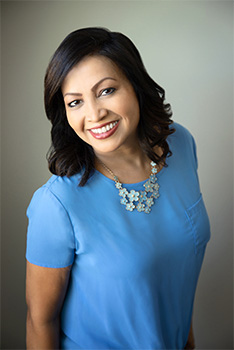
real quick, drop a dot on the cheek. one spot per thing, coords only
(131, 105)
(133, 112)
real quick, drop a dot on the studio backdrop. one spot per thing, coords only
(187, 47)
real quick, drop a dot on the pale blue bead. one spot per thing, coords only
(118, 185)
(123, 192)
(123, 201)
(147, 210)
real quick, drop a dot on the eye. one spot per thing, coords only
(107, 91)
(74, 103)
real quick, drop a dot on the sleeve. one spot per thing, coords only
(50, 236)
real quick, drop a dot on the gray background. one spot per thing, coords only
(187, 47)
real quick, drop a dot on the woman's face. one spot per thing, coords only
(101, 105)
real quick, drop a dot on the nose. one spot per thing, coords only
(95, 111)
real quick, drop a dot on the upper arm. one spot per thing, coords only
(45, 291)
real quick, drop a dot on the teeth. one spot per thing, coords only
(104, 128)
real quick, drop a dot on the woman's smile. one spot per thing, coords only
(104, 130)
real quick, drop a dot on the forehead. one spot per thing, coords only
(90, 70)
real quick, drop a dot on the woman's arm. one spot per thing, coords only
(191, 341)
(45, 292)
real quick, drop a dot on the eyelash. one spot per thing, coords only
(75, 103)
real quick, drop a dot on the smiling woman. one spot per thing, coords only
(117, 236)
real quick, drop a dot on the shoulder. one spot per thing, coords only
(59, 183)
(182, 137)
(181, 132)
(54, 192)
(182, 142)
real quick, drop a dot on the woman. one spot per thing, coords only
(117, 236)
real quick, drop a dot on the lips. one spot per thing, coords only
(105, 130)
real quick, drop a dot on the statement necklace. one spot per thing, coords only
(140, 200)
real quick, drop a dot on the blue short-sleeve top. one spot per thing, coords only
(134, 274)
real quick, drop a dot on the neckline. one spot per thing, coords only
(127, 184)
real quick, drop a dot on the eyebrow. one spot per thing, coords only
(93, 88)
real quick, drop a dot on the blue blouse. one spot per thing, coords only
(133, 275)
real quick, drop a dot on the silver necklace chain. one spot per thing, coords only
(142, 201)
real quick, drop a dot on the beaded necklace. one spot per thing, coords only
(139, 200)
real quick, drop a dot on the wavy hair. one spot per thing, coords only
(69, 154)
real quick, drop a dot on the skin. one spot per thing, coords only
(45, 292)
(95, 92)
(191, 341)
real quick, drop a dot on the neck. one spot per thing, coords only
(129, 166)
(128, 155)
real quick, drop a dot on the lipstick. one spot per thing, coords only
(105, 134)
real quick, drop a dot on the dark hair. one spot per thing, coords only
(69, 154)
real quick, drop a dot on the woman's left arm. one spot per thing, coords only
(191, 341)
